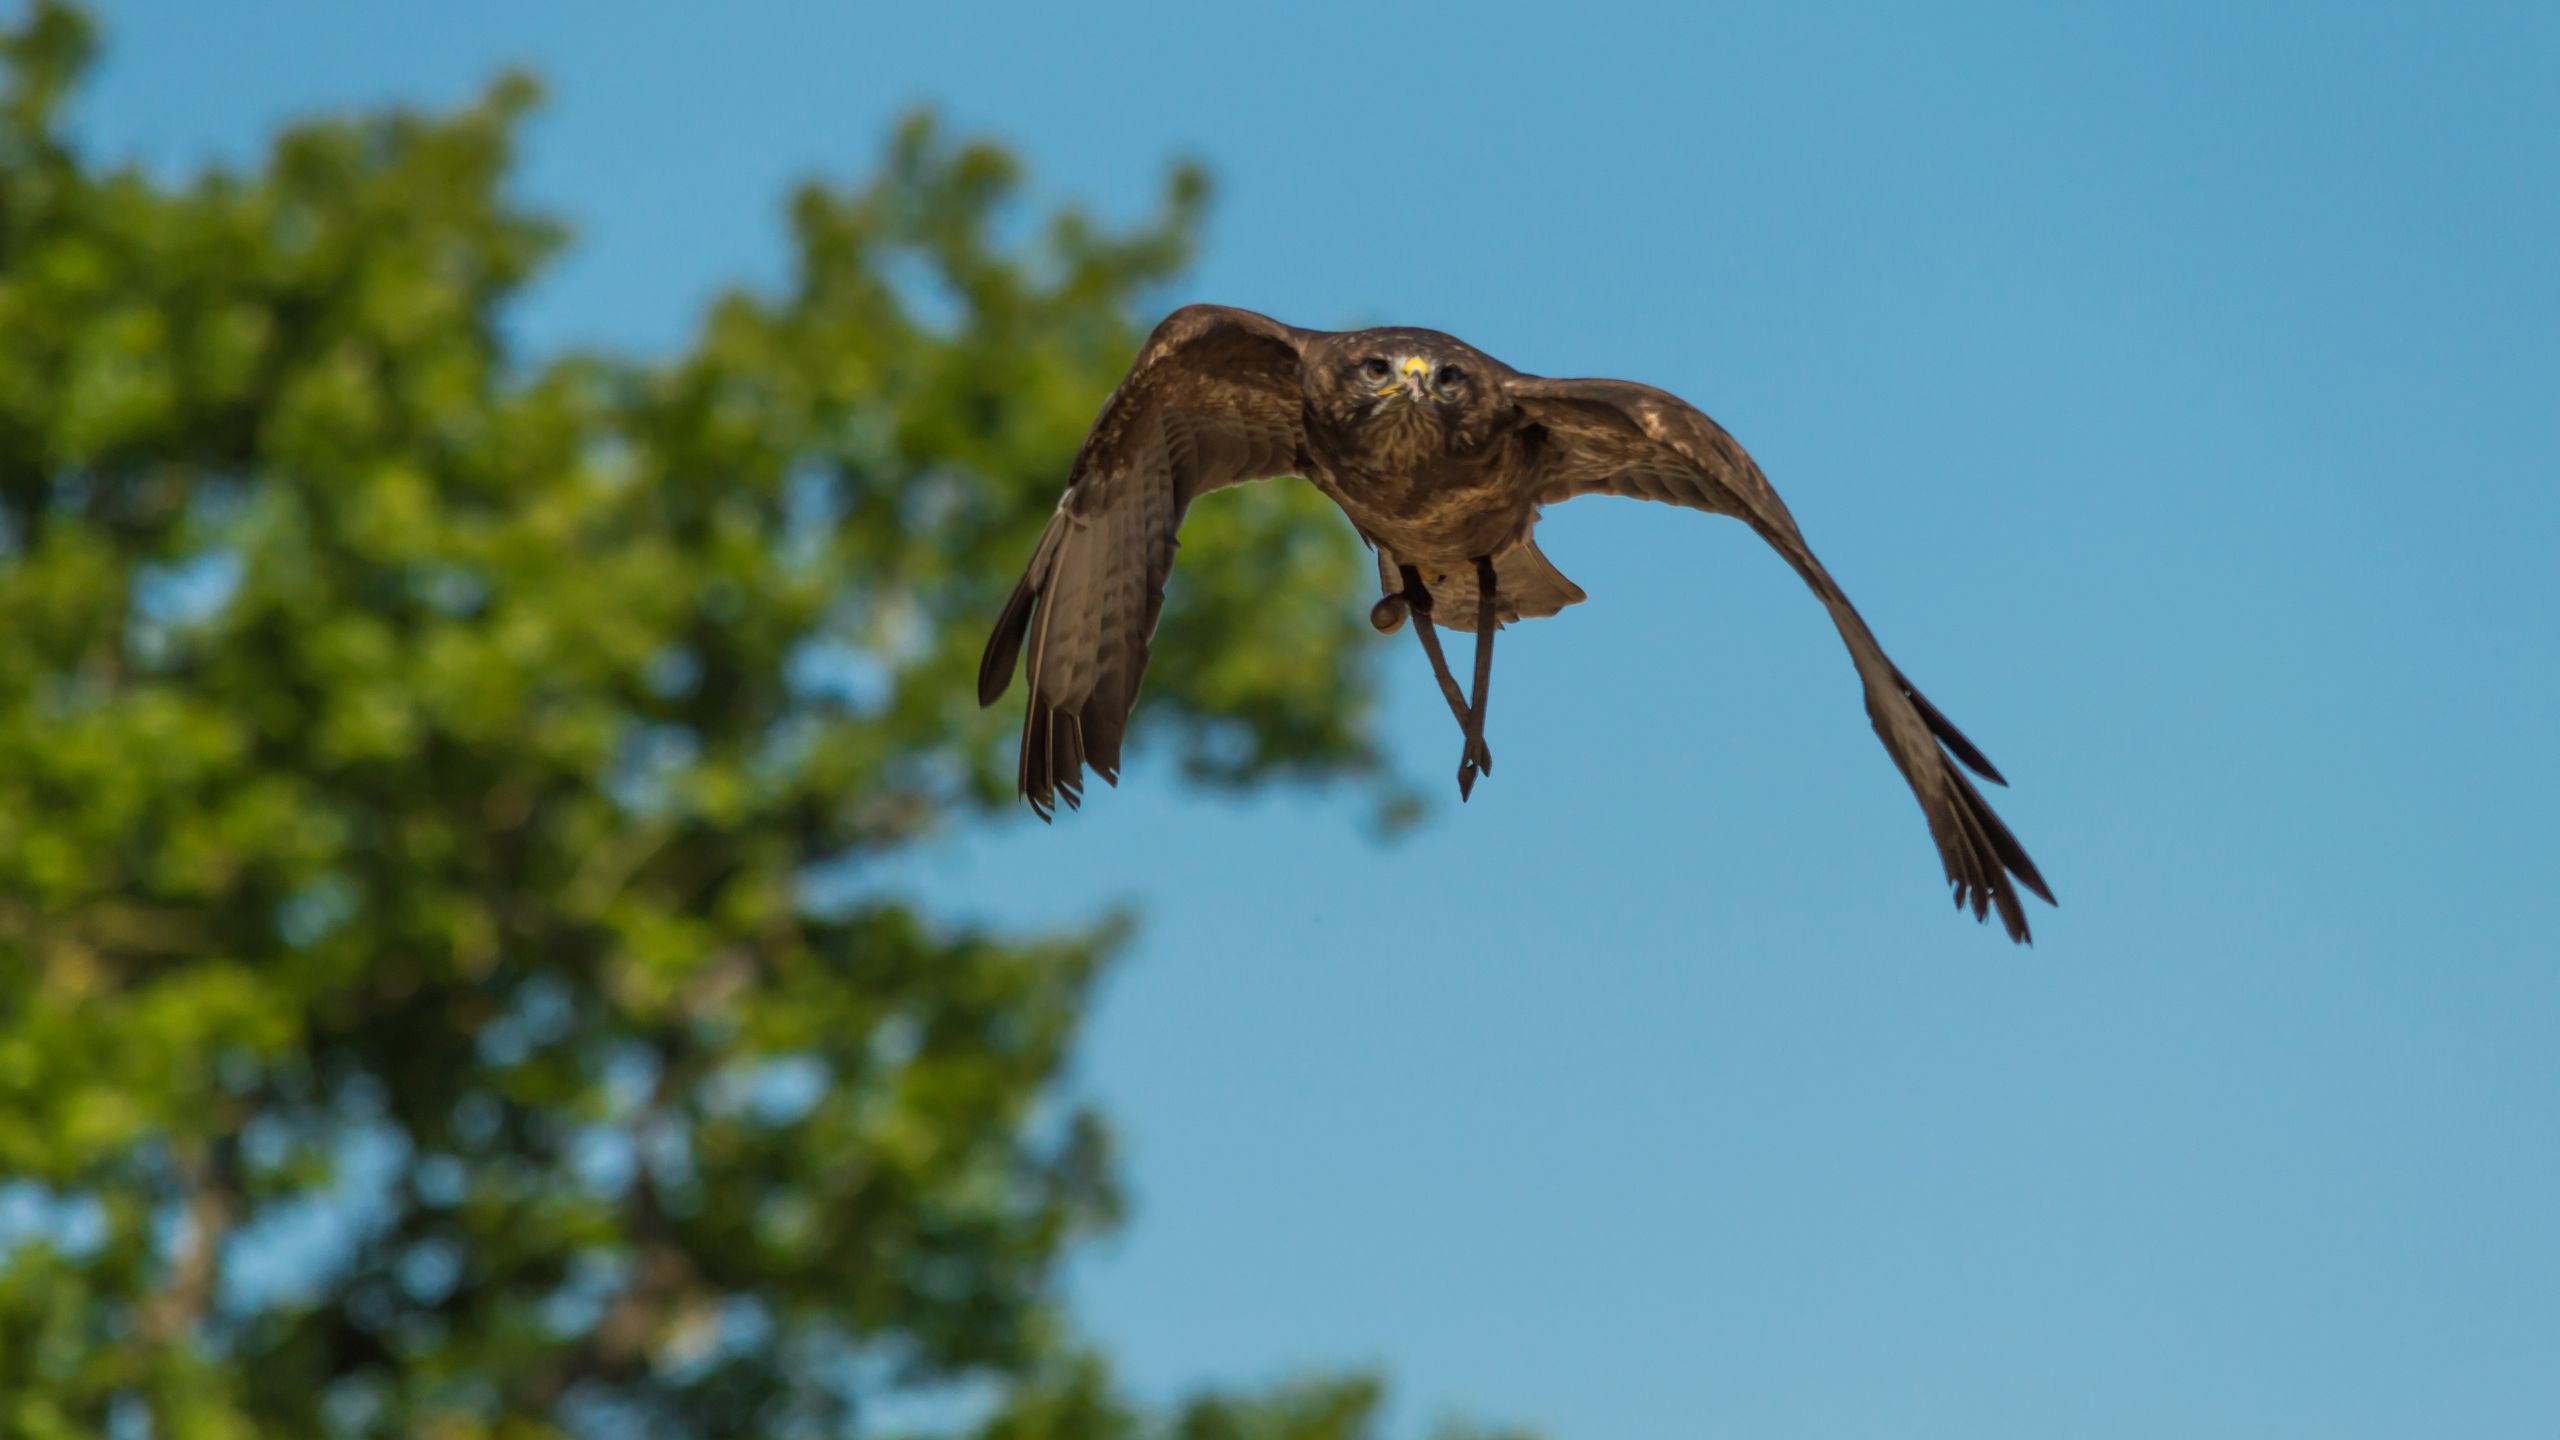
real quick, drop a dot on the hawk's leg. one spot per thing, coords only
(1417, 599)
(1478, 758)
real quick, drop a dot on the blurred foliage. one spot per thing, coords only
(415, 1016)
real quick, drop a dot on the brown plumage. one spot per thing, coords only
(1441, 455)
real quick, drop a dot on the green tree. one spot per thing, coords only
(413, 761)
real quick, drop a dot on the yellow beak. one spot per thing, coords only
(1415, 370)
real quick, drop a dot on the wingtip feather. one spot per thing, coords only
(1004, 644)
(1985, 861)
(1948, 735)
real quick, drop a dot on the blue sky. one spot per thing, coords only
(2177, 389)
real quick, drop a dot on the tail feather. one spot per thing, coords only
(1527, 586)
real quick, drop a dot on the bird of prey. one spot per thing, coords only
(1441, 456)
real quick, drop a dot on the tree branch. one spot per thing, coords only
(211, 1170)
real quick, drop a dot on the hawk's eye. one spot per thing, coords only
(1377, 367)
(1450, 375)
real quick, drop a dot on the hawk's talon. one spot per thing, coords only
(1478, 760)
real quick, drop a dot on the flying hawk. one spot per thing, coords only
(1441, 455)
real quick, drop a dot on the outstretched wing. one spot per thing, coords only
(1213, 400)
(1614, 437)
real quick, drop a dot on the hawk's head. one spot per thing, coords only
(1403, 388)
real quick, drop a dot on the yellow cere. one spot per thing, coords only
(1410, 365)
